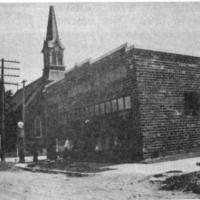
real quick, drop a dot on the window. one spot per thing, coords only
(120, 104)
(60, 61)
(127, 102)
(97, 109)
(50, 58)
(46, 58)
(114, 105)
(192, 103)
(108, 107)
(54, 58)
(38, 127)
(102, 108)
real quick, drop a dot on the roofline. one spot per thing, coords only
(26, 86)
(165, 52)
(52, 83)
(109, 53)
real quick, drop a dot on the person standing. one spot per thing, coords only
(68, 147)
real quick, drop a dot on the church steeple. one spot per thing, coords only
(52, 30)
(53, 50)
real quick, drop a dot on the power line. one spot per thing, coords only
(12, 61)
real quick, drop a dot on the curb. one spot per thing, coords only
(68, 173)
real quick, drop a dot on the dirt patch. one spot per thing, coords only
(83, 167)
(184, 182)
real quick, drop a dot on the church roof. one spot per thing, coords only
(52, 36)
(30, 90)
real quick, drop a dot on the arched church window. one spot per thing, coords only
(54, 58)
(47, 58)
(60, 60)
(38, 127)
(50, 58)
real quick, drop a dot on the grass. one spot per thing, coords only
(86, 167)
(4, 166)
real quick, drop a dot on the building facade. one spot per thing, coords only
(130, 104)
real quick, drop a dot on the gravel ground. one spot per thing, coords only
(18, 185)
(126, 182)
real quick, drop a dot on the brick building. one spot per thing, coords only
(129, 104)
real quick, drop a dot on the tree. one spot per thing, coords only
(10, 123)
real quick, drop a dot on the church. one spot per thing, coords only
(53, 70)
(127, 105)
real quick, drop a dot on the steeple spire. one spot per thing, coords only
(52, 36)
(52, 30)
(52, 50)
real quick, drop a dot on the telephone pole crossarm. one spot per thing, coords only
(12, 61)
(12, 68)
(7, 83)
(11, 75)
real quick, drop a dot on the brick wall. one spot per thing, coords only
(162, 80)
(88, 86)
(157, 123)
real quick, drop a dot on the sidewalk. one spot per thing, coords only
(27, 159)
(185, 165)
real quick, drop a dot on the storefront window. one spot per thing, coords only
(127, 102)
(120, 104)
(97, 109)
(114, 105)
(102, 108)
(108, 107)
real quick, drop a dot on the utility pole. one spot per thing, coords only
(24, 116)
(23, 101)
(2, 144)
(2, 112)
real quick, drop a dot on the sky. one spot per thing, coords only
(89, 30)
